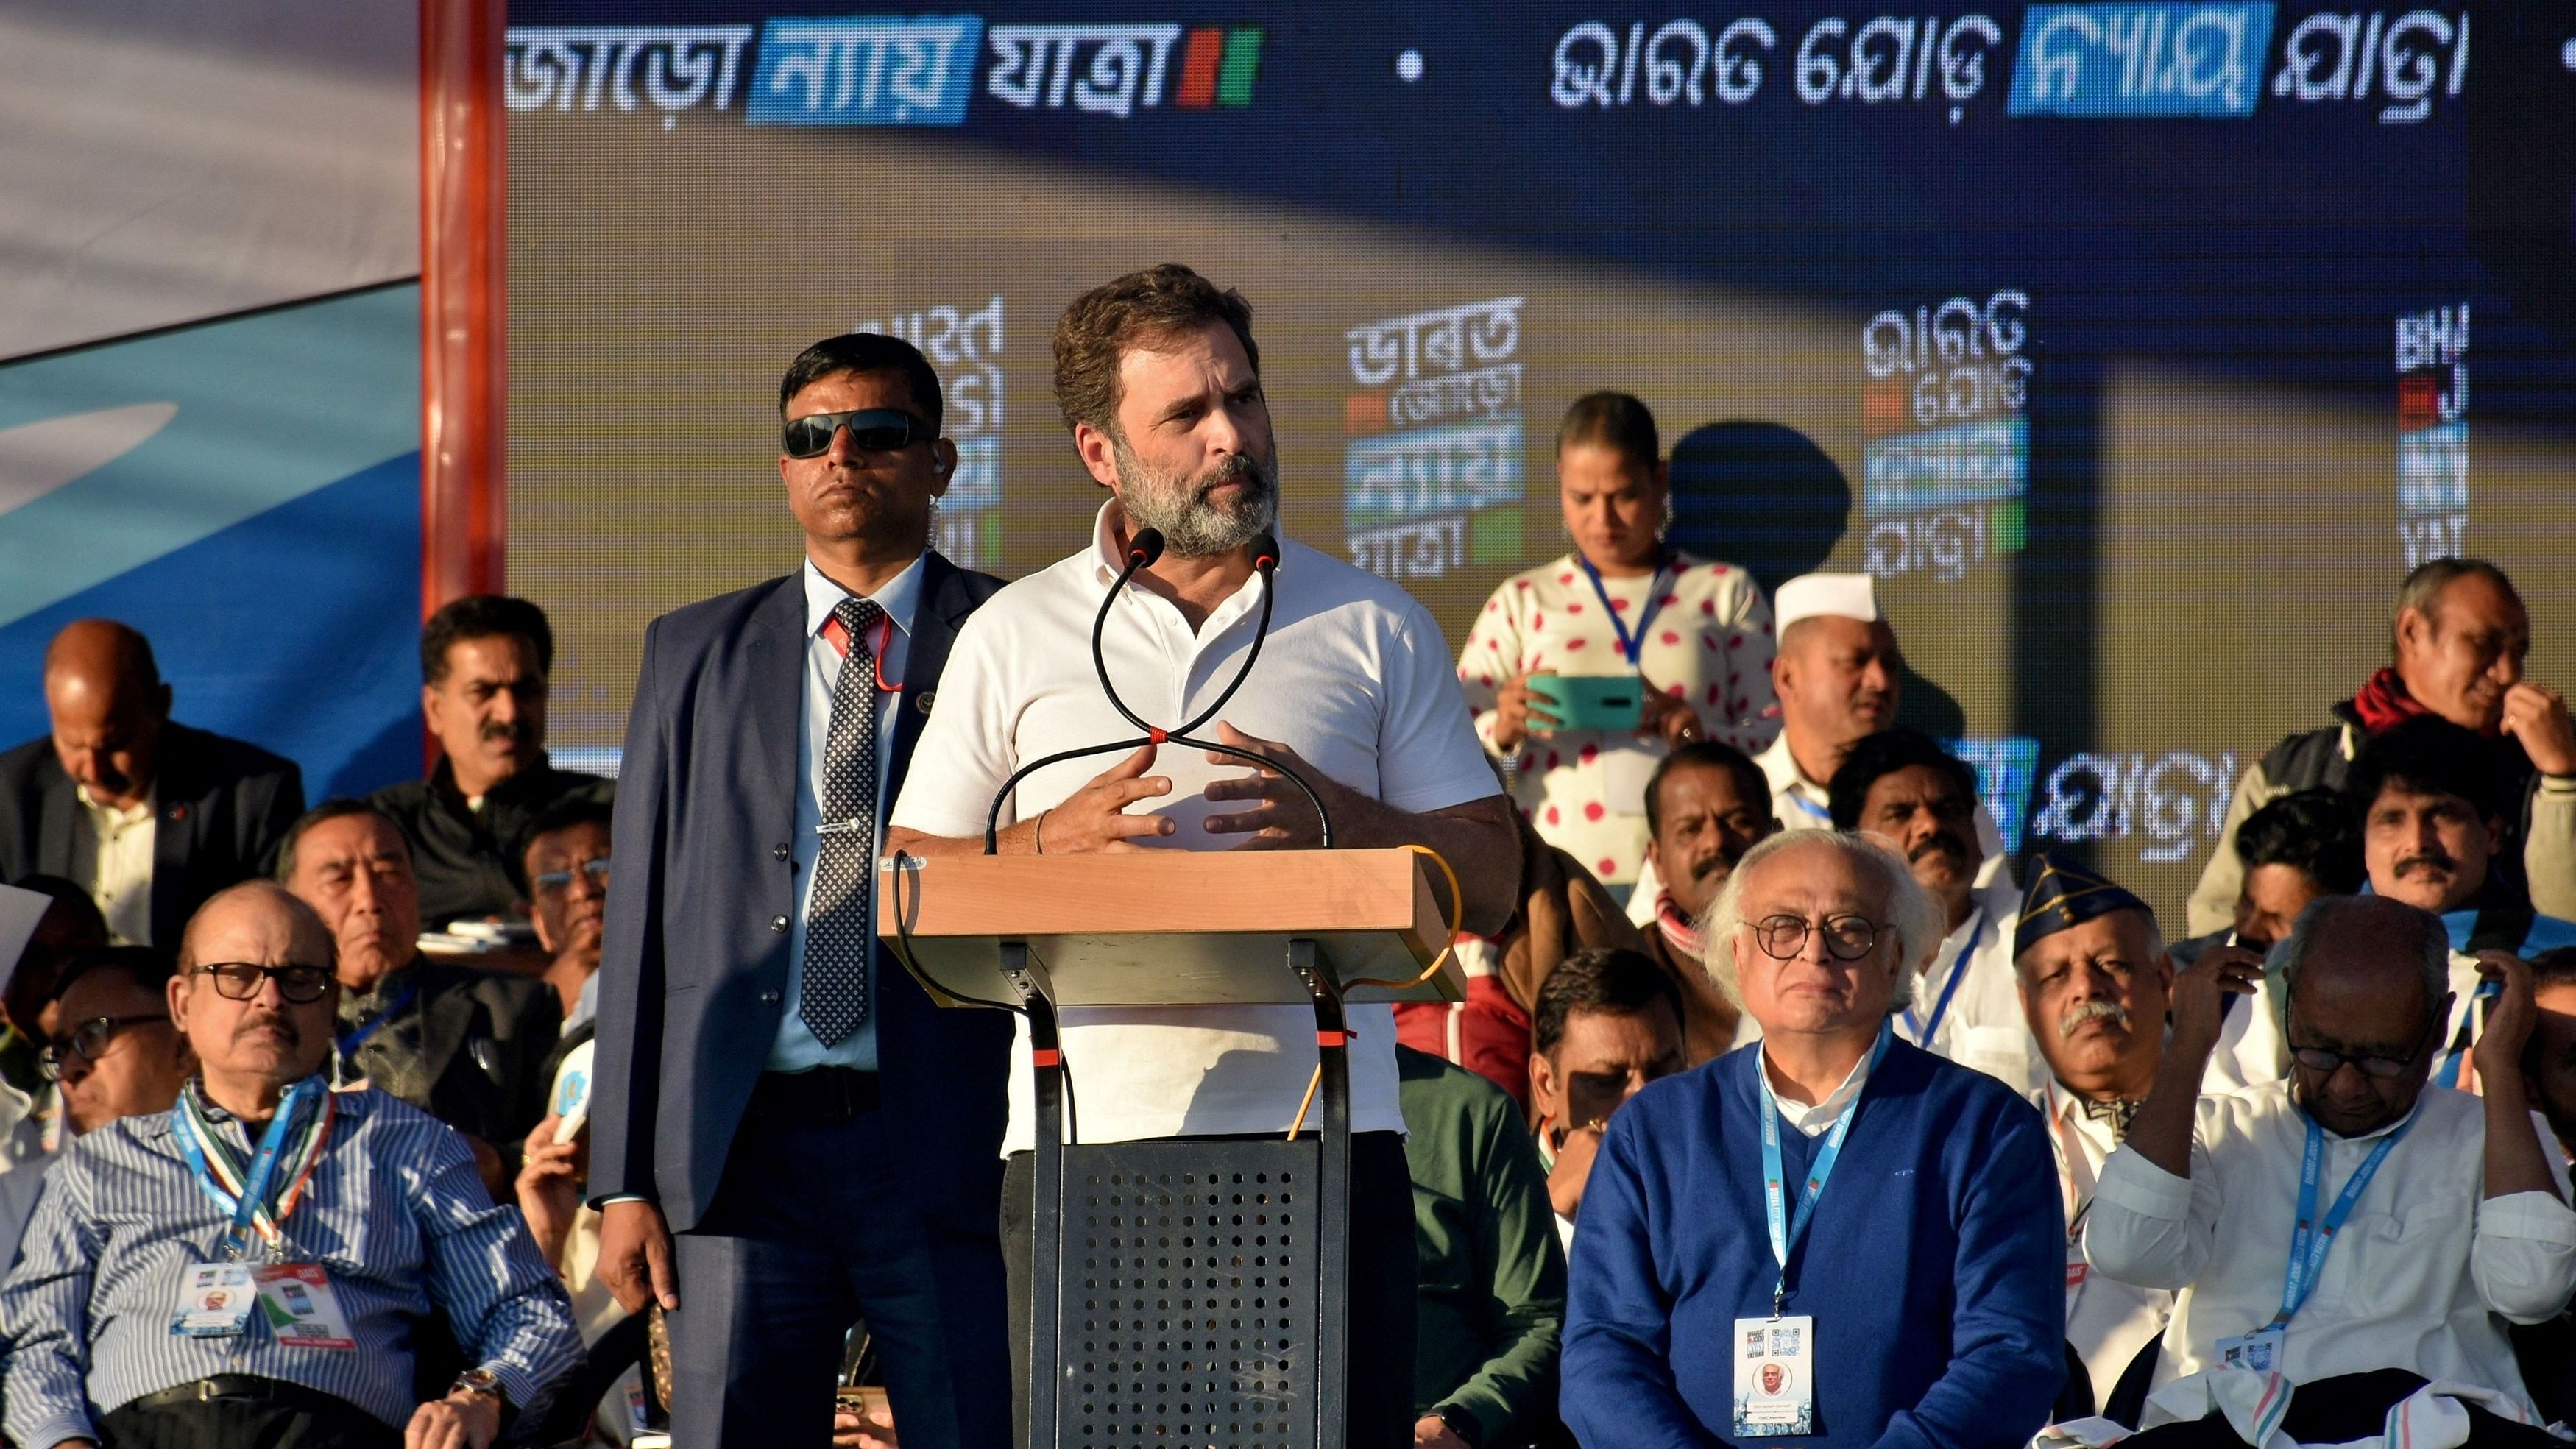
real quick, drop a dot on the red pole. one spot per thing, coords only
(464, 335)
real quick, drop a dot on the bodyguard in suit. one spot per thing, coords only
(786, 1134)
(149, 816)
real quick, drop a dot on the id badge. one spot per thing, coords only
(1775, 1380)
(2259, 1351)
(214, 1300)
(300, 1307)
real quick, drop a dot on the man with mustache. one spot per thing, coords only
(1159, 382)
(2094, 979)
(2457, 646)
(2347, 1245)
(483, 666)
(1706, 804)
(1902, 787)
(2432, 799)
(2304, 845)
(468, 1047)
(170, 1292)
(148, 816)
(564, 860)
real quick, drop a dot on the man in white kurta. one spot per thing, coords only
(2436, 1216)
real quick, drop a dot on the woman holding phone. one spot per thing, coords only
(1586, 671)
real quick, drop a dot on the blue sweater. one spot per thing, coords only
(1934, 1267)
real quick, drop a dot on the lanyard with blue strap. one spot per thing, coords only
(245, 1192)
(350, 1043)
(1950, 987)
(2313, 1238)
(2449, 1075)
(1787, 1230)
(1632, 647)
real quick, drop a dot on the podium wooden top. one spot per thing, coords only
(1170, 927)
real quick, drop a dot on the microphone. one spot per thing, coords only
(1144, 546)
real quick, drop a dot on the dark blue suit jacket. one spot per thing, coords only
(694, 969)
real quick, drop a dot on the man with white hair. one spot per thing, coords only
(1908, 1290)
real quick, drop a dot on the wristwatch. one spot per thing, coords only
(1463, 1424)
(481, 1381)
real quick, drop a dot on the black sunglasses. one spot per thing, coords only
(89, 1038)
(239, 980)
(872, 430)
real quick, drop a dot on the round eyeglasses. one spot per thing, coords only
(88, 1039)
(1847, 937)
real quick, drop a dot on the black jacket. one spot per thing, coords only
(224, 810)
(485, 1043)
(462, 857)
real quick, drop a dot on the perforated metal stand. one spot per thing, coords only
(1190, 1291)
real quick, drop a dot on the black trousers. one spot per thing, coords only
(293, 1420)
(2341, 1409)
(1384, 1274)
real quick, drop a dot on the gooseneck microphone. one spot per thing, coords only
(1143, 548)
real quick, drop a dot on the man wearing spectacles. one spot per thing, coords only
(172, 1290)
(1908, 1285)
(786, 1134)
(2360, 1234)
(564, 859)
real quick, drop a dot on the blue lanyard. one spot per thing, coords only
(349, 1044)
(1785, 1230)
(1631, 646)
(2449, 1075)
(1810, 806)
(2313, 1239)
(263, 1163)
(1950, 988)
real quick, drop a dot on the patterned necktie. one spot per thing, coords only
(838, 932)
(2119, 1114)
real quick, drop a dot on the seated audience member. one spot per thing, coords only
(140, 1311)
(564, 860)
(2431, 798)
(1607, 1023)
(1919, 798)
(1562, 910)
(2301, 846)
(1706, 805)
(70, 926)
(2458, 643)
(2349, 1230)
(2094, 979)
(600, 1402)
(116, 1053)
(1492, 1297)
(1695, 634)
(149, 816)
(1909, 1289)
(467, 1047)
(483, 666)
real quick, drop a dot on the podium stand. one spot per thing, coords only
(1187, 1291)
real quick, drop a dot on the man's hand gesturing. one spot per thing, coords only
(1093, 819)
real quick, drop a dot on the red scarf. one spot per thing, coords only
(1679, 932)
(2384, 704)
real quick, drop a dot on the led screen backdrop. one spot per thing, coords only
(2137, 349)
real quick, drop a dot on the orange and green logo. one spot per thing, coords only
(1218, 66)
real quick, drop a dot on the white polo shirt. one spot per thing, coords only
(1355, 678)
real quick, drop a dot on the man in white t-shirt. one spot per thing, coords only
(1159, 380)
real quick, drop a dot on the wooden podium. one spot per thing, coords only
(1187, 1291)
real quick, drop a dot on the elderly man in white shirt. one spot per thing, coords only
(1159, 379)
(2348, 1244)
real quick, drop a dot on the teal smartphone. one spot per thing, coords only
(1589, 702)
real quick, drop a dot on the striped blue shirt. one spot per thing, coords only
(395, 1211)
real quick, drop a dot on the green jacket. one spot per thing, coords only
(1493, 1278)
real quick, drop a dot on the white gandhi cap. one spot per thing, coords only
(1840, 596)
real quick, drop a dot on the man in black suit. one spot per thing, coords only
(468, 1047)
(786, 1135)
(149, 816)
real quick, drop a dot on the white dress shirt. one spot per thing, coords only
(796, 1048)
(1355, 678)
(2107, 1321)
(2419, 1278)
(1815, 1121)
(1984, 1027)
(112, 860)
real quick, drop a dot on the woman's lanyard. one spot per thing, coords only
(1787, 1230)
(245, 1194)
(1950, 987)
(350, 1043)
(1632, 647)
(2313, 1239)
(837, 634)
